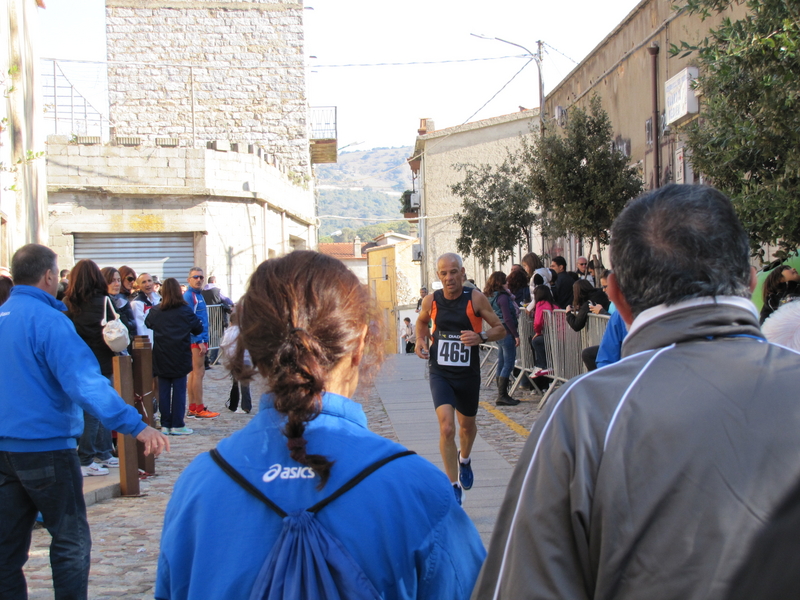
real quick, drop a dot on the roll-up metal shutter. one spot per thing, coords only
(162, 254)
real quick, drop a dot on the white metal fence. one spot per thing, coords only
(563, 346)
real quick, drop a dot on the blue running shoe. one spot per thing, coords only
(465, 476)
(458, 492)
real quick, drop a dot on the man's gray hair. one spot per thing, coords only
(30, 263)
(451, 256)
(677, 243)
(193, 269)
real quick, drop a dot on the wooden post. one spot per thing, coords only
(126, 444)
(143, 389)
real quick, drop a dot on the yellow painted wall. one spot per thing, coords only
(394, 284)
(383, 282)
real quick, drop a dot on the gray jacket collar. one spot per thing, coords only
(700, 318)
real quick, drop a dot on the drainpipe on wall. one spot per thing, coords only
(653, 50)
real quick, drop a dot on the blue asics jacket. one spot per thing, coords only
(401, 524)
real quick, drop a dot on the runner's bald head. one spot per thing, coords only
(449, 257)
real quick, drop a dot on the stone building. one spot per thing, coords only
(208, 161)
(436, 154)
(212, 70)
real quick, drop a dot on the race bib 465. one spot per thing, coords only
(451, 351)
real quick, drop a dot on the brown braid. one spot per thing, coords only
(300, 316)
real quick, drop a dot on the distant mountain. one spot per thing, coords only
(363, 184)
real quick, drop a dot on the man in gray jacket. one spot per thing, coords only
(650, 477)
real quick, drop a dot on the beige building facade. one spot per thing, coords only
(629, 70)
(436, 155)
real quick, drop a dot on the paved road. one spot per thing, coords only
(126, 531)
(404, 391)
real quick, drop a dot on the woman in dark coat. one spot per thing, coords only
(172, 323)
(87, 305)
(585, 296)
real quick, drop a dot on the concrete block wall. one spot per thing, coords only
(235, 202)
(246, 81)
(104, 165)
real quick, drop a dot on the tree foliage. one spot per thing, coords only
(497, 209)
(575, 184)
(747, 140)
(580, 181)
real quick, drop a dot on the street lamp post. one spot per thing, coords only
(537, 57)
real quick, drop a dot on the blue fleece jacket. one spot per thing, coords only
(50, 377)
(611, 344)
(198, 305)
(401, 524)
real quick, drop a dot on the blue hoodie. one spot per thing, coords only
(194, 298)
(50, 377)
(401, 524)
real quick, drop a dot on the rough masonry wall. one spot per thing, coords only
(202, 71)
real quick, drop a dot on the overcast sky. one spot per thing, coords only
(381, 105)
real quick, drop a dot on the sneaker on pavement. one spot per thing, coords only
(181, 431)
(459, 493)
(240, 411)
(165, 430)
(112, 462)
(205, 414)
(93, 469)
(465, 475)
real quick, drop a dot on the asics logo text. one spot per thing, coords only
(276, 471)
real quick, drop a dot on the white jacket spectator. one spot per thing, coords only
(783, 326)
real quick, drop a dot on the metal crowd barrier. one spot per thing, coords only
(217, 322)
(564, 346)
(524, 360)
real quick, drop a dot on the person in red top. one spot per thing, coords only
(542, 301)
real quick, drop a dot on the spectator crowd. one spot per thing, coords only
(671, 472)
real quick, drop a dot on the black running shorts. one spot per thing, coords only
(460, 392)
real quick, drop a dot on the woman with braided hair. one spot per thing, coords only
(311, 330)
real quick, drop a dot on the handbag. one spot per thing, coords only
(115, 334)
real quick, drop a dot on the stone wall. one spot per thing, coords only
(201, 71)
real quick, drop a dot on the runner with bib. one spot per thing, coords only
(449, 331)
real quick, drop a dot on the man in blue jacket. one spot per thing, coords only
(51, 377)
(195, 300)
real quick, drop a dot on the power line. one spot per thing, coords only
(404, 64)
(498, 91)
(560, 52)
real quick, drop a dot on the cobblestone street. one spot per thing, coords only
(126, 531)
